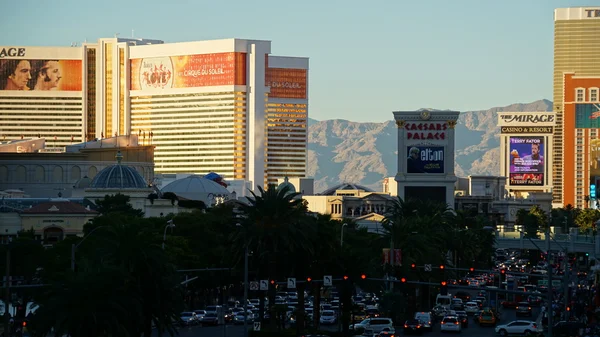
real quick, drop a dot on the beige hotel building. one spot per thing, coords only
(224, 106)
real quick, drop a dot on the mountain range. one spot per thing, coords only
(364, 153)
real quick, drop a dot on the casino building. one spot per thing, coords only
(526, 140)
(576, 50)
(224, 106)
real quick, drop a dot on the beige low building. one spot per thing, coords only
(52, 221)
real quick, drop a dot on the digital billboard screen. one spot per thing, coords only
(433, 193)
(425, 159)
(286, 83)
(188, 71)
(587, 116)
(40, 75)
(526, 160)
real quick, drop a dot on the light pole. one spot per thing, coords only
(245, 306)
(342, 235)
(75, 246)
(170, 224)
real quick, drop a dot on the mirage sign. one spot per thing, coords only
(526, 118)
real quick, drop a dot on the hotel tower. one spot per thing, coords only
(224, 106)
(576, 63)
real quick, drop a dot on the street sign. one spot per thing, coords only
(327, 281)
(256, 326)
(427, 267)
(291, 283)
(264, 284)
(253, 285)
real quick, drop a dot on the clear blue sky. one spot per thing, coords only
(367, 58)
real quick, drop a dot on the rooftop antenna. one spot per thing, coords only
(132, 35)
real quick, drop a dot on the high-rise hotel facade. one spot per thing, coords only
(224, 106)
(576, 64)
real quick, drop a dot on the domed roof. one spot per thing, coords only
(286, 183)
(118, 176)
(196, 187)
(83, 183)
(345, 186)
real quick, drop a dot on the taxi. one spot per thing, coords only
(359, 316)
(487, 318)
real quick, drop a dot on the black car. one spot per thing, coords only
(413, 326)
(463, 317)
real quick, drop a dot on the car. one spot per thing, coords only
(523, 309)
(328, 317)
(450, 323)
(426, 318)
(359, 316)
(463, 295)
(476, 316)
(372, 313)
(518, 328)
(463, 317)
(413, 326)
(471, 308)
(375, 324)
(457, 304)
(188, 318)
(211, 318)
(487, 318)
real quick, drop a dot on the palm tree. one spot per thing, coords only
(275, 228)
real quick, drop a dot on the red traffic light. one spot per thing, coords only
(403, 280)
(24, 324)
(442, 267)
(413, 266)
(272, 281)
(363, 276)
(345, 277)
(444, 283)
(308, 279)
(471, 269)
(503, 271)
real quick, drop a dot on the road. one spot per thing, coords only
(474, 330)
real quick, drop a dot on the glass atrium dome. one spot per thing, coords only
(118, 177)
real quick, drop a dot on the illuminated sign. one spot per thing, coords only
(12, 52)
(426, 131)
(526, 160)
(592, 13)
(286, 83)
(425, 159)
(526, 129)
(527, 118)
(587, 116)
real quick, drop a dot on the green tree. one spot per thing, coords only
(117, 203)
(586, 218)
(541, 216)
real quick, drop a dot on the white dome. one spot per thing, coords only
(196, 187)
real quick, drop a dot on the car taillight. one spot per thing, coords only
(534, 325)
(456, 323)
(529, 308)
(442, 323)
(405, 326)
(517, 308)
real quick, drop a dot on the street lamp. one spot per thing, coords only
(75, 246)
(342, 235)
(170, 224)
(245, 306)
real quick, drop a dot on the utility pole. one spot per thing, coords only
(7, 294)
(550, 289)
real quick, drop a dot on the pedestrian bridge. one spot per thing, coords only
(558, 242)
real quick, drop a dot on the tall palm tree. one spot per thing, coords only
(274, 229)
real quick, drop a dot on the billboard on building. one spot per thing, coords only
(40, 75)
(587, 116)
(188, 71)
(286, 83)
(526, 158)
(425, 159)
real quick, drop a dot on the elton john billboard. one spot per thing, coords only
(526, 160)
(40, 75)
(188, 71)
(425, 159)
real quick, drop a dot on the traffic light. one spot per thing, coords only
(24, 324)
(272, 281)
(471, 269)
(444, 288)
(363, 276)
(442, 267)
(308, 279)
(346, 277)
(403, 279)
(503, 272)
(413, 266)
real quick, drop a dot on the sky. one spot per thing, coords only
(367, 59)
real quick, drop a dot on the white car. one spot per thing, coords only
(450, 323)
(517, 328)
(471, 308)
(328, 317)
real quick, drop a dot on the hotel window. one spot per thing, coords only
(594, 95)
(579, 95)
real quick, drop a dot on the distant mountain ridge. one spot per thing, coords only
(365, 153)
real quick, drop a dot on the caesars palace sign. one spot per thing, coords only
(522, 122)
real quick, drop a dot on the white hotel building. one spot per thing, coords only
(223, 106)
